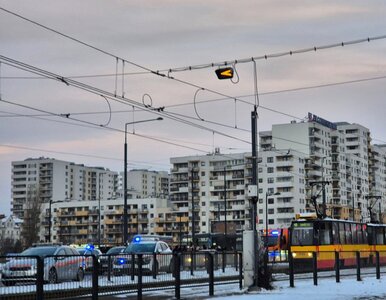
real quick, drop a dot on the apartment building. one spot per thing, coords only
(47, 179)
(215, 185)
(100, 222)
(343, 171)
(146, 183)
(282, 187)
(377, 181)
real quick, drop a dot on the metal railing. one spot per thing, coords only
(371, 261)
(71, 277)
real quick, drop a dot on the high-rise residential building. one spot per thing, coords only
(216, 186)
(377, 182)
(47, 179)
(213, 187)
(309, 166)
(146, 183)
(343, 171)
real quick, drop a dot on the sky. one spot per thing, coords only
(111, 47)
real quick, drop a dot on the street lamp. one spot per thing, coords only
(225, 203)
(99, 209)
(125, 177)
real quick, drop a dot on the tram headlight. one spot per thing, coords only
(294, 254)
(309, 254)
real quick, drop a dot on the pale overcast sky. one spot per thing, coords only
(162, 35)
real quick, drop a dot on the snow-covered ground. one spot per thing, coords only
(327, 289)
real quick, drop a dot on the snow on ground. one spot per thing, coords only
(348, 288)
(327, 289)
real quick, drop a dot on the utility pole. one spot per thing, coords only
(225, 204)
(255, 198)
(193, 220)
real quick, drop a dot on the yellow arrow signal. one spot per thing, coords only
(224, 73)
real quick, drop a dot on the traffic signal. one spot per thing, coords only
(224, 73)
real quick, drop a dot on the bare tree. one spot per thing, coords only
(31, 221)
(8, 245)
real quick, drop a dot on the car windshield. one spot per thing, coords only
(140, 248)
(39, 251)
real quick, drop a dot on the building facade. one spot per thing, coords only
(101, 222)
(146, 183)
(46, 179)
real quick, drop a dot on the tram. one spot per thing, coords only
(327, 236)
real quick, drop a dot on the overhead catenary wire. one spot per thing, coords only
(272, 55)
(106, 127)
(206, 65)
(132, 162)
(94, 90)
(170, 70)
(233, 62)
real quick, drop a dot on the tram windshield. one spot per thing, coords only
(302, 234)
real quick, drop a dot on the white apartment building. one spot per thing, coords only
(342, 169)
(282, 187)
(217, 184)
(214, 185)
(55, 180)
(377, 181)
(146, 183)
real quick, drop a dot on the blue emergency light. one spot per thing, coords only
(137, 239)
(275, 232)
(89, 247)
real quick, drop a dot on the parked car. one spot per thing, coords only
(151, 248)
(60, 263)
(110, 255)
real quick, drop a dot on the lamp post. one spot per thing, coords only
(193, 219)
(225, 204)
(49, 221)
(125, 176)
(255, 197)
(99, 209)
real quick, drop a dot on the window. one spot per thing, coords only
(270, 170)
(269, 159)
(324, 234)
(271, 200)
(271, 180)
(271, 221)
(271, 211)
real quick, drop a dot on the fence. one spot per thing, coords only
(336, 261)
(71, 276)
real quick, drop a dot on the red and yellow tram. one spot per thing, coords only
(327, 236)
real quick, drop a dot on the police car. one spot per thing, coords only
(60, 263)
(157, 256)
